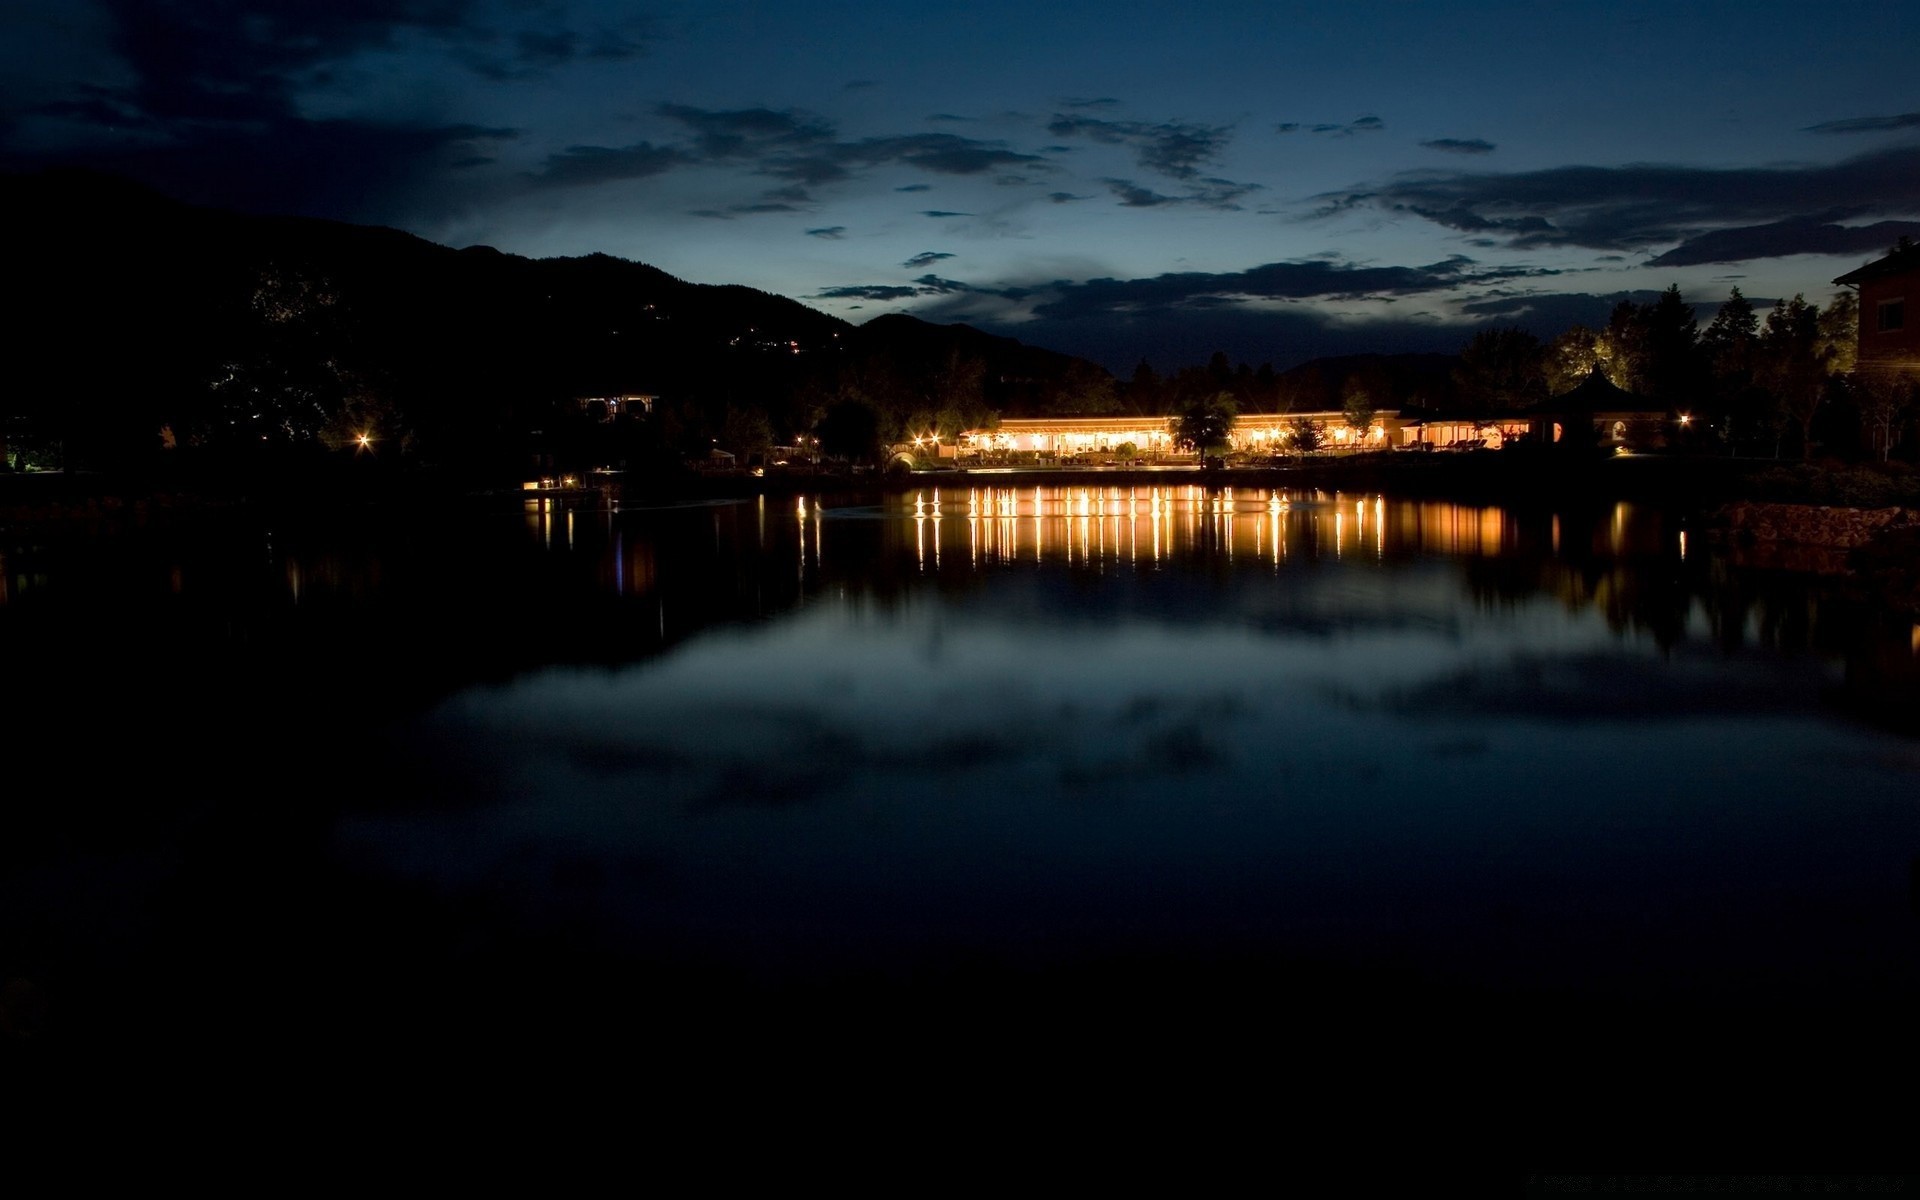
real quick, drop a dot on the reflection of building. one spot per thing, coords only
(1889, 336)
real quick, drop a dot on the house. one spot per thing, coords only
(1889, 290)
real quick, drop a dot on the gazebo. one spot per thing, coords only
(1598, 413)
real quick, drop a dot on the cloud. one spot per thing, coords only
(1548, 313)
(1132, 195)
(1460, 145)
(1368, 124)
(915, 187)
(1867, 124)
(1101, 102)
(1639, 206)
(869, 291)
(1299, 280)
(586, 165)
(939, 212)
(785, 144)
(1208, 192)
(948, 117)
(1796, 235)
(241, 60)
(855, 85)
(1174, 149)
(341, 169)
(1065, 197)
(731, 133)
(926, 258)
(831, 232)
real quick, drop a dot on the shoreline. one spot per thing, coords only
(1702, 485)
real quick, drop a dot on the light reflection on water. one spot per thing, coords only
(1511, 748)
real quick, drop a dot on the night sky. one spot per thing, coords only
(1116, 180)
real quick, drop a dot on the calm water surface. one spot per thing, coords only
(376, 774)
(1033, 725)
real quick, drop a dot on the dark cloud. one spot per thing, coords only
(855, 85)
(1797, 235)
(209, 87)
(544, 49)
(1102, 102)
(873, 291)
(1208, 192)
(586, 165)
(948, 117)
(831, 232)
(933, 285)
(926, 258)
(1640, 206)
(1065, 197)
(528, 53)
(1368, 124)
(915, 187)
(745, 210)
(1460, 145)
(1546, 314)
(938, 212)
(1166, 337)
(1132, 195)
(344, 170)
(785, 144)
(1312, 279)
(1171, 148)
(731, 133)
(237, 60)
(1867, 124)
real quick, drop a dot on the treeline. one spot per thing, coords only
(1780, 385)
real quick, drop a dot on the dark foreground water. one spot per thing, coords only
(1328, 792)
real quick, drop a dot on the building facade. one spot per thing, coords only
(1889, 291)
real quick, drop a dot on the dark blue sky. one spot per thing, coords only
(1112, 179)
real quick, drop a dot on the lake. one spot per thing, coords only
(1225, 755)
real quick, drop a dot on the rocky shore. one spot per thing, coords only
(1880, 547)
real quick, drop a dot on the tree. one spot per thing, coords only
(745, 432)
(1502, 370)
(850, 430)
(1791, 369)
(1358, 406)
(1839, 343)
(1570, 358)
(1086, 389)
(1205, 425)
(1885, 399)
(1673, 370)
(1304, 434)
(1622, 347)
(1144, 390)
(1730, 347)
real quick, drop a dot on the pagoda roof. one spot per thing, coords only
(1596, 393)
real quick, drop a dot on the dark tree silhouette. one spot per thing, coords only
(1502, 370)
